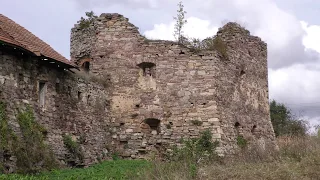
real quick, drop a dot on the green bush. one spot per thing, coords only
(32, 154)
(210, 43)
(184, 162)
(196, 150)
(221, 47)
(7, 139)
(75, 156)
(241, 142)
(85, 23)
(196, 122)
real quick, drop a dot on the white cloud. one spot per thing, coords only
(312, 38)
(196, 28)
(298, 86)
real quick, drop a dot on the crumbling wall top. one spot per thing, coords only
(112, 16)
(233, 27)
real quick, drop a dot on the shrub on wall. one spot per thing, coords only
(196, 122)
(194, 153)
(210, 44)
(75, 156)
(7, 138)
(85, 23)
(32, 154)
(241, 142)
(196, 149)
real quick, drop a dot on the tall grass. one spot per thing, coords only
(297, 158)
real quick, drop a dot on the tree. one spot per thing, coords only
(284, 122)
(85, 23)
(180, 22)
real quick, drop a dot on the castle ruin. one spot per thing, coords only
(124, 93)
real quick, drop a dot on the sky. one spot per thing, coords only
(291, 28)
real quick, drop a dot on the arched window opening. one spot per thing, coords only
(153, 123)
(86, 66)
(242, 72)
(237, 125)
(148, 69)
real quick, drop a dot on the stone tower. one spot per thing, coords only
(162, 92)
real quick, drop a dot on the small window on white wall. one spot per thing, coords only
(42, 93)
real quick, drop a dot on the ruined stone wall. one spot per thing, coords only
(243, 90)
(83, 43)
(162, 92)
(72, 104)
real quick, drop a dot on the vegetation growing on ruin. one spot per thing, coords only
(241, 142)
(209, 44)
(75, 156)
(195, 44)
(180, 22)
(220, 46)
(32, 154)
(297, 158)
(193, 153)
(196, 122)
(7, 138)
(86, 22)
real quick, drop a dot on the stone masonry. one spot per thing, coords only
(127, 94)
(72, 104)
(161, 92)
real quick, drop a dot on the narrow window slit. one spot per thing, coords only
(42, 93)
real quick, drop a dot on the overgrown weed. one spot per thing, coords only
(297, 158)
(32, 154)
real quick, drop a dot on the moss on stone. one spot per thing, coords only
(196, 122)
(221, 47)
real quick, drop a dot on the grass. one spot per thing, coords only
(119, 169)
(297, 158)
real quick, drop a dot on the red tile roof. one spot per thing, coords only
(13, 33)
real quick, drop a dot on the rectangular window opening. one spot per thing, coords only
(79, 95)
(42, 93)
(58, 87)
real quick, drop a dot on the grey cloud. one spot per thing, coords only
(293, 53)
(136, 4)
(306, 10)
(297, 86)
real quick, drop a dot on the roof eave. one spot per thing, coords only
(38, 54)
